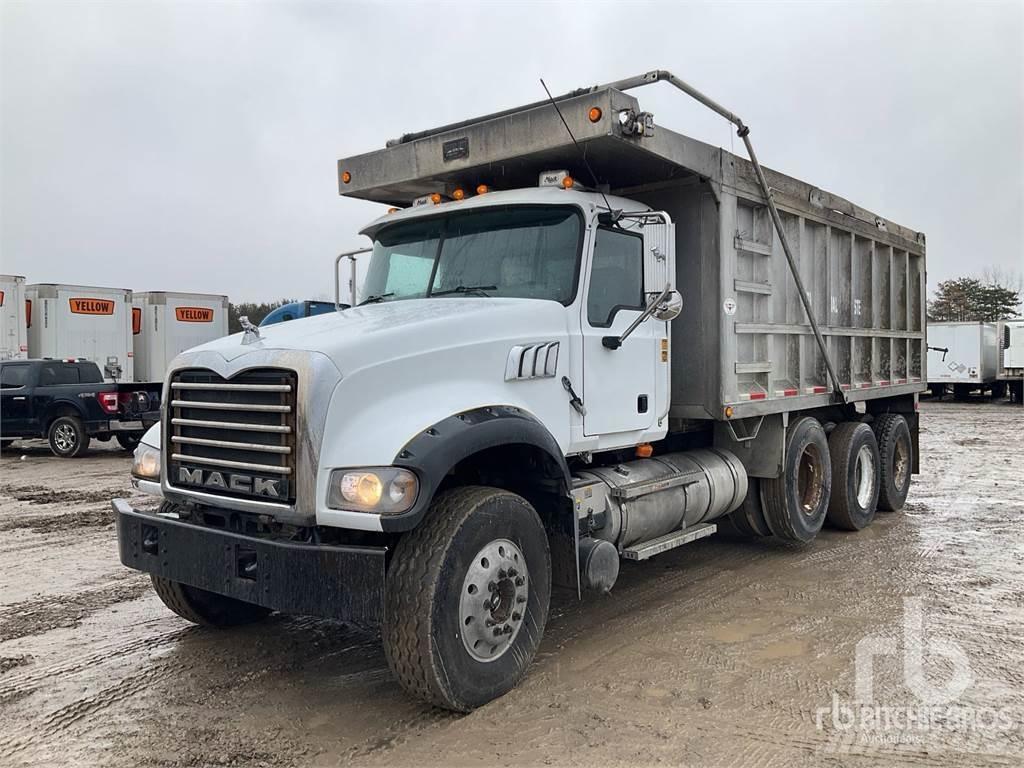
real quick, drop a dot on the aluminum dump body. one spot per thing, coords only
(743, 339)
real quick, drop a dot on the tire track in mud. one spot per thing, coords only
(42, 614)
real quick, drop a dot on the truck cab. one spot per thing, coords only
(542, 377)
(295, 310)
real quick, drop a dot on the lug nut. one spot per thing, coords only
(513, 572)
(507, 630)
(519, 581)
(502, 573)
(498, 632)
(517, 616)
(492, 586)
(520, 599)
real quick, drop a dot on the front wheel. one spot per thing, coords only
(206, 608)
(68, 438)
(128, 440)
(467, 597)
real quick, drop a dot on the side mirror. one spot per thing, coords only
(665, 306)
(670, 307)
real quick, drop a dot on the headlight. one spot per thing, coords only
(384, 490)
(146, 464)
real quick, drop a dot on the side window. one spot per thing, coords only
(13, 376)
(89, 373)
(54, 374)
(617, 276)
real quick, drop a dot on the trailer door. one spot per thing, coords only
(619, 384)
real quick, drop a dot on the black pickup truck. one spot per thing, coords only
(68, 403)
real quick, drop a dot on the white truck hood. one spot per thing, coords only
(375, 333)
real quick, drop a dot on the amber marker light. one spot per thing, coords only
(482, 189)
(458, 194)
(435, 198)
(567, 182)
(594, 114)
(644, 451)
(346, 177)
(728, 411)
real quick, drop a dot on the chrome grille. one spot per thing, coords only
(233, 437)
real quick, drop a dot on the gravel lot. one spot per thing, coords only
(724, 652)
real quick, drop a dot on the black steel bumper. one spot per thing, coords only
(344, 583)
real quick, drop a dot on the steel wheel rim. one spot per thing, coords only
(65, 438)
(492, 604)
(900, 464)
(864, 476)
(810, 480)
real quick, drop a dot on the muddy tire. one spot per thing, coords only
(749, 518)
(128, 440)
(206, 608)
(894, 450)
(466, 598)
(856, 476)
(68, 438)
(795, 504)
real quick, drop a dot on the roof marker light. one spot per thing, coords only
(482, 189)
(458, 194)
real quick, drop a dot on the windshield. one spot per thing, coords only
(528, 252)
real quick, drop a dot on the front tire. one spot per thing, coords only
(795, 504)
(68, 438)
(856, 476)
(466, 599)
(207, 609)
(128, 440)
(894, 450)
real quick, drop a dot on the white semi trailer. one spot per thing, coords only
(82, 322)
(963, 357)
(583, 338)
(165, 324)
(1010, 337)
(13, 320)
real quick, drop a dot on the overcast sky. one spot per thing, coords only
(192, 146)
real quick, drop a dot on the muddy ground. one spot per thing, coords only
(724, 652)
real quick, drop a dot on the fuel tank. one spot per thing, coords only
(641, 500)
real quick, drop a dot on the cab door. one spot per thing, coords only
(625, 388)
(15, 400)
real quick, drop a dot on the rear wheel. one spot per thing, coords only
(749, 518)
(895, 455)
(855, 476)
(466, 598)
(68, 438)
(206, 608)
(795, 503)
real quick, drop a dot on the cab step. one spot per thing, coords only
(646, 549)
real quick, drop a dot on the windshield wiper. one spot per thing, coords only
(478, 289)
(374, 299)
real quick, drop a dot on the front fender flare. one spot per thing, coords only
(433, 453)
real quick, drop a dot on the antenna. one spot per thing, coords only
(583, 155)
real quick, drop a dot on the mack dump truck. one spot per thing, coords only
(582, 339)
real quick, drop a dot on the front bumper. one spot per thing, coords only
(336, 582)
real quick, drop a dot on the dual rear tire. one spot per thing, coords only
(841, 478)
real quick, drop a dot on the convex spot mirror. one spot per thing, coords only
(670, 307)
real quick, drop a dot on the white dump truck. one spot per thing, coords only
(165, 323)
(82, 322)
(13, 319)
(963, 357)
(583, 338)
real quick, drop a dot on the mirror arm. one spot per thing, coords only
(614, 342)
